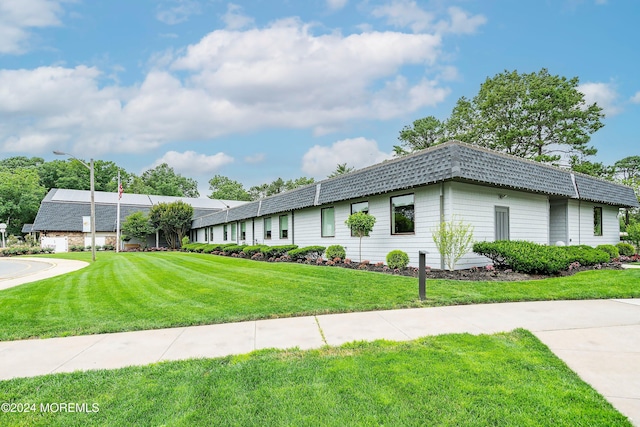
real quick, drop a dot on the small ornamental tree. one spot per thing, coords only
(174, 219)
(361, 224)
(453, 240)
(137, 225)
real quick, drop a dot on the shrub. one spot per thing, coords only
(397, 259)
(207, 249)
(586, 255)
(108, 247)
(185, 241)
(233, 249)
(311, 253)
(610, 249)
(453, 240)
(252, 250)
(335, 251)
(626, 249)
(528, 257)
(277, 251)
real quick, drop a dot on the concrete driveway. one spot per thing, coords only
(20, 270)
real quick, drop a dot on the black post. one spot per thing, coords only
(422, 275)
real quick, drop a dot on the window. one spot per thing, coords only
(359, 207)
(267, 228)
(225, 233)
(284, 226)
(403, 215)
(597, 221)
(211, 234)
(243, 231)
(234, 227)
(328, 221)
(502, 223)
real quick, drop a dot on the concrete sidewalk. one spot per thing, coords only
(599, 339)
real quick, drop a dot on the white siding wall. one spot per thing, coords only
(528, 215)
(581, 224)
(380, 242)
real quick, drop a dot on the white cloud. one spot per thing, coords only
(256, 158)
(604, 94)
(336, 4)
(320, 161)
(192, 163)
(230, 81)
(172, 12)
(405, 14)
(408, 14)
(636, 98)
(234, 19)
(18, 17)
(460, 22)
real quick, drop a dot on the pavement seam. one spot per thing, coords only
(171, 344)
(394, 326)
(53, 371)
(324, 339)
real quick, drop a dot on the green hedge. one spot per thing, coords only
(277, 251)
(307, 253)
(232, 249)
(610, 249)
(528, 257)
(252, 250)
(626, 249)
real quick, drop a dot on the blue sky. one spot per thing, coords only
(261, 89)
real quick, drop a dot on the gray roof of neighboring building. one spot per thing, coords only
(27, 228)
(62, 210)
(449, 161)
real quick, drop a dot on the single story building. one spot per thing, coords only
(501, 196)
(63, 219)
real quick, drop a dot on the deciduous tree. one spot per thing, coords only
(138, 225)
(164, 181)
(174, 219)
(424, 133)
(20, 197)
(225, 188)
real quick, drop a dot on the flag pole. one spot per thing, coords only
(118, 214)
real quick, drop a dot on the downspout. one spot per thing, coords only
(253, 230)
(441, 218)
(293, 228)
(575, 187)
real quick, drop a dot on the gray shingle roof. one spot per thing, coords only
(450, 161)
(62, 210)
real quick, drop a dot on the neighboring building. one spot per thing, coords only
(502, 196)
(63, 217)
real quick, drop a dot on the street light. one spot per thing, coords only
(93, 202)
(3, 228)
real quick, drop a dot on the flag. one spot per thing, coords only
(120, 191)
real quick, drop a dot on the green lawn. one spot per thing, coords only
(134, 291)
(508, 379)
